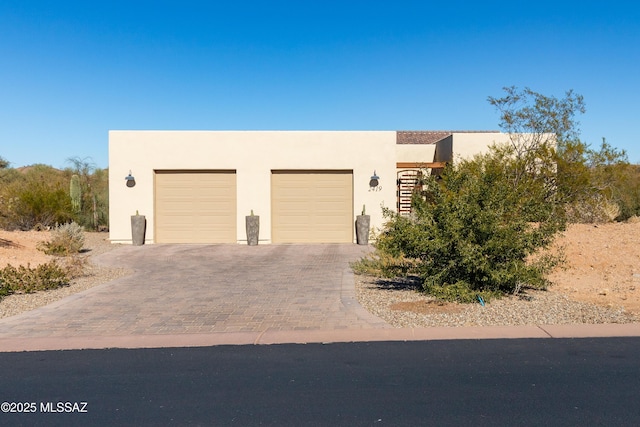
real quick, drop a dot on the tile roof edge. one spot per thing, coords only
(428, 137)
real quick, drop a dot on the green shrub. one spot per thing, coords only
(596, 185)
(4, 290)
(382, 264)
(66, 239)
(593, 184)
(625, 189)
(460, 292)
(38, 196)
(89, 192)
(27, 280)
(477, 231)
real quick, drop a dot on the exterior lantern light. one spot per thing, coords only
(130, 180)
(373, 183)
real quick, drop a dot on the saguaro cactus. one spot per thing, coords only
(76, 193)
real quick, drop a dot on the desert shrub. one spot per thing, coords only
(66, 239)
(4, 290)
(35, 196)
(89, 192)
(593, 184)
(382, 264)
(597, 185)
(476, 231)
(75, 265)
(593, 210)
(41, 196)
(28, 280)
(625, 190)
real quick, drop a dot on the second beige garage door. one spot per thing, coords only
(195, 207)
(312, 206)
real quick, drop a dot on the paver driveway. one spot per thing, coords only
(195, 289)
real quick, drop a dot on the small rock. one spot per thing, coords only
(603, 292)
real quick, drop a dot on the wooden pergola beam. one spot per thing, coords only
(420, 165)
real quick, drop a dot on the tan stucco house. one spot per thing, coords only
(306, 186)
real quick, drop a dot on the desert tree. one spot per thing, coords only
(89, 192)
(544, 135)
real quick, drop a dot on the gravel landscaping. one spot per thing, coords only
(401, 304)
(599, 284)
(95, 244)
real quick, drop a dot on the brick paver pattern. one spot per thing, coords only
(193, 289)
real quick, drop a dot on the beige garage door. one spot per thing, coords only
(312, 206)
(195, 207)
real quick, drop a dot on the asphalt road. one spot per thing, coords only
(576, 382)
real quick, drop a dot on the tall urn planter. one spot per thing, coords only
(363, 223)
(253, 229)
(138, 229)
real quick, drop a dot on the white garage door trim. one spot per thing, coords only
(195, 206)
(312, 206)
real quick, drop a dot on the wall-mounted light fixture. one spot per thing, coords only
(130, 180)
(373, 183)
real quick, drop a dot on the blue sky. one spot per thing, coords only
(70, 71)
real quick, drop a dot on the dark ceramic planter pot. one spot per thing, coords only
(363, 223)
(253, 229)
(138, 229)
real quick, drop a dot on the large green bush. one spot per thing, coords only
(481, 230)
(38, 196)
(477, 231)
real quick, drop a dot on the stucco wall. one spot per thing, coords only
(253, 155)
(444, 150)
(468, 144)
(415, 153)
(458, 145)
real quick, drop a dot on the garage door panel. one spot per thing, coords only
(312, 206)
(195, 207)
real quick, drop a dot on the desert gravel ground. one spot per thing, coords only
(402, 305)
(599, 284)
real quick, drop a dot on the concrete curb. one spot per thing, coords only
(271, 337)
